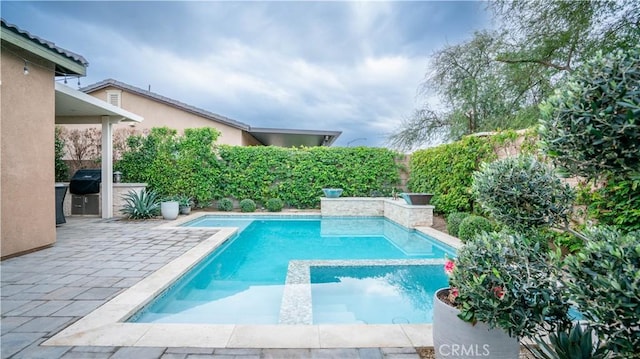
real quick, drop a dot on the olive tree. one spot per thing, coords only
(591, 125)
(523, 193)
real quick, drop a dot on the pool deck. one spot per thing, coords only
(52, 291)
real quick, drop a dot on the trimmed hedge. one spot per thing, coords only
(274, 205)
(191, 165)
(225, 205)
(247, 205)
(446, 172)
(171, 164)
(453, 222)
(473, 225)
(297, 175)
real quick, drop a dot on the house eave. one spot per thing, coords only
(64, 65)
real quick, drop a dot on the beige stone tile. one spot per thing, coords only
(275, 336)
(355, 336)
(118, 334)
(441, 236)
(187, 335)
(421, 335)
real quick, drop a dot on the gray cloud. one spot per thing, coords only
(349, 66)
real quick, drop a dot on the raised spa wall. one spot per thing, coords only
(397, 210)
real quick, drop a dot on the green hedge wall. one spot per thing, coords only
(298, 175)
(173, 165)
(446, 171)
(193, 166)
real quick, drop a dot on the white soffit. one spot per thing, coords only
(76, 107)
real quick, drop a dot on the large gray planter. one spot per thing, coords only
(170, 209)
(455, 338)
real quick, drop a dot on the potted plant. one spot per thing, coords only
(502, 288)
(170, 208)
(185, 203)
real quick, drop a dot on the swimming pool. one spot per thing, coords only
(307, 270)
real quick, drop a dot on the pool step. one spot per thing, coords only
(221, 316)
(336, 313)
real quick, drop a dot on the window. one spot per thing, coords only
(114, 97)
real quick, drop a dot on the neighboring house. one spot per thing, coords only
(161, 111)
(31, 105)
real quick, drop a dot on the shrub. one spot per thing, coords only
(184, 201)
(274, 205)
(297, 175)
(472, 225)
(591, 125)
(171, 163)
(225, 204)
(570, 343)
(61, 167)
(453, 222)
(604, 282)
(247, 205)
(523, 194)
(507, 281)
(143, 205)
(446, 172)
(616, 203)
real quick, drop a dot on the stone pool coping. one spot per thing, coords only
(105, 326)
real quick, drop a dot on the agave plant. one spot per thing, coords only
(141, 205)
(575, 343)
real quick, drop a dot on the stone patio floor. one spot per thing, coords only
(94, 260)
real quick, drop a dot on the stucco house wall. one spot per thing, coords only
(27, 195)
(158, 114)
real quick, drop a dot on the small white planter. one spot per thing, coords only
(170, 209)
(455, 338)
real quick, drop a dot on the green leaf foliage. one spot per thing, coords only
(446, 171)
(225, 205)
(472, 225)
(190, 165)
(453, 222)
(297, 175)
(142, 205)
(172, 164)
(616, 203)
(604, 281)
(591, 125)
(274, 205)
(247, 205)
(508, 281)
(61, 167)
(523, 193)
(570, 343)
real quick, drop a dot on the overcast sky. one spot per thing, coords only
(341, 66)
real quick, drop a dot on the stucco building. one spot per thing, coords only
(161, 111)
(31, 104)
(29, 66)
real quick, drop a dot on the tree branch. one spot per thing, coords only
(536, 61)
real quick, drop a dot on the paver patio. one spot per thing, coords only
(93, 261)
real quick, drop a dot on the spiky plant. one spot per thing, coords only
(141, 205)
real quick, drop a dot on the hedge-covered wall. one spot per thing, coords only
(446, 170)
(194, 166)
(297, 175)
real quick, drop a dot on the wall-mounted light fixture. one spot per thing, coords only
(26, 67)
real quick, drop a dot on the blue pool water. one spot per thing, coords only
(243, 281)
(375, 294)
